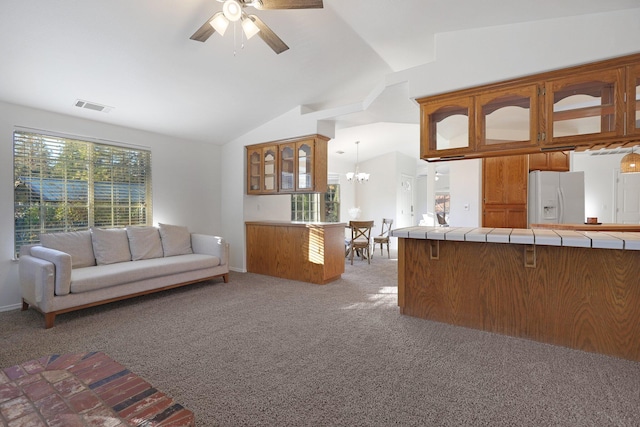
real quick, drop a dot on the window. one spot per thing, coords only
(332, 203)
(63, 184)
(313, 207)
(305, 207)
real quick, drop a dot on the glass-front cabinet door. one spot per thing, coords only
(269, 169)
(583, 108)
(287, 167)
(633, 99)
(304, 150)
(507, 118)
(254, 171)
(446, 128)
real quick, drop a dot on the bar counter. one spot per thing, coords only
(579, 289)
(306, 251)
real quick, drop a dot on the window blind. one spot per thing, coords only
(65, 184)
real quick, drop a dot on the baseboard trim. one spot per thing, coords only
(11, 307)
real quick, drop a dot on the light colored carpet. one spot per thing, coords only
(261, 351)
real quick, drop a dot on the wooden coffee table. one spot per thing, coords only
(85, 389)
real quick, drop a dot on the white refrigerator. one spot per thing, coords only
(556, 197)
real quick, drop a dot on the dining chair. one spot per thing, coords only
(383, 237)
(442, 221)
(361, 239)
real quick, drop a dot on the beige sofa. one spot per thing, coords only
(75, 270)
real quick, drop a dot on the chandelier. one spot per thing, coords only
(357, 176)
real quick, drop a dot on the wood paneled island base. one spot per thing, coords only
(309, 252)
(582, 298)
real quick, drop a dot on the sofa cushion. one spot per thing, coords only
(176, 240)
(103, 276)
(75, 243)
(144, 243)
(110, 245)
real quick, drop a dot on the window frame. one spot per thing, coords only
(316, 207)
(63, 182)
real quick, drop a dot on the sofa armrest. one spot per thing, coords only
(62, 262)
(210, 245)
(37, 277)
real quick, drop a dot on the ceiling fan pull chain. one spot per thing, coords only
(234, 39)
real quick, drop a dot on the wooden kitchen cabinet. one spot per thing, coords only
(288, 166)
(550, 161)
(507, 119)
(633, 100)
(504, 191)
(447, 127)
(261, 170)
(594, 105)
(585, 108)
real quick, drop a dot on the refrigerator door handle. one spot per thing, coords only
(560, 206)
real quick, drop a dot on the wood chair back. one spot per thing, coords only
(361, 238)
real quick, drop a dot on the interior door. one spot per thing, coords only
(628, 198)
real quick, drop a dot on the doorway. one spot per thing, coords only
(627, 198)
(406, 216)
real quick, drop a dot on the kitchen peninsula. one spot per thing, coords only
(306, 251)
(578, 289)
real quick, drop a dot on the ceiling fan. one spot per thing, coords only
(232, 11)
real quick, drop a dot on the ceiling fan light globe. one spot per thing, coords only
(250, 28)
(232, 10)
(219, 23)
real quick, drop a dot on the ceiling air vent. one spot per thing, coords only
(92, 106)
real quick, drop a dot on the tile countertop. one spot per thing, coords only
(520, 236)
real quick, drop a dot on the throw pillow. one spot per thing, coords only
(75, 243)
(110, 245)
(144, 243)
(176, 240)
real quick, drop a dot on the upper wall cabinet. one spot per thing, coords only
(288, 166)
(584, 107)
(633, 99)
(592, 105)
(447, 127)
(507, 118)
(261, 170)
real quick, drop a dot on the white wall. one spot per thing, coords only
(465, 188)
(478, 56)
(347, 189)
(599, 183)
(185, 174)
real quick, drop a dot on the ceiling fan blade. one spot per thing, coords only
(205, 31)
(290, 4)
(269, 36)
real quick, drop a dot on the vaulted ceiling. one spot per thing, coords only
(136, 57)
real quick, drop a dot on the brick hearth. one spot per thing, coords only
(86, 389)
